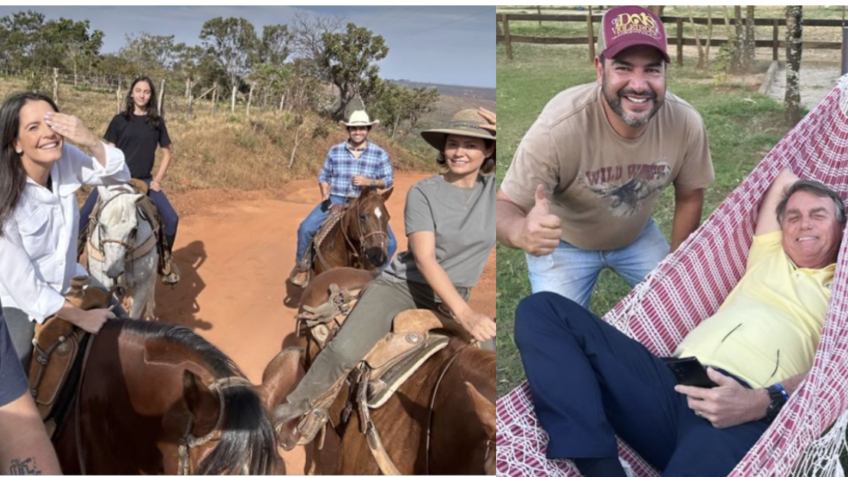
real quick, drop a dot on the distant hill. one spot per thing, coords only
(453, 90)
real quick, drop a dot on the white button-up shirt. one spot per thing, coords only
(38, 249)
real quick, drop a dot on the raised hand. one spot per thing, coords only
(488, 116)
(71, 128)
(542, 230)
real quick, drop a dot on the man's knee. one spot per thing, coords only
(539, 312)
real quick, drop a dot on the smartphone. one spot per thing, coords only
(689, 372)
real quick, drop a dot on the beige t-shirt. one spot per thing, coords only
(600, 184)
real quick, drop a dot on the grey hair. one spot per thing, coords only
(817, 189)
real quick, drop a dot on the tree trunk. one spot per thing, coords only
(750, 46)
(738, 42)
(794, 31)
(250, 97)
(188, 87)
(75, 72)
(190, 99)
(56, 85)
(118, 98)
(701, 58)
(214, 98)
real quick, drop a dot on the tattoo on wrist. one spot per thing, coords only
(25, 467)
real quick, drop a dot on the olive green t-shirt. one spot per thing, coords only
(463, 221)
(601, 185)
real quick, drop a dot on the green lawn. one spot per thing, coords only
(742, 126)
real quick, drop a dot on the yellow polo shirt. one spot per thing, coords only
(769, 326)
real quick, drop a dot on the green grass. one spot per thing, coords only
(742, 126)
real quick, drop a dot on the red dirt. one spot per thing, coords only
(235, 250)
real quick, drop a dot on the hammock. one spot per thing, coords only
(690, 285)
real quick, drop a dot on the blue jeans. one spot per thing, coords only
(313, 221)
(573, 272)
(591, 382)
(170, 219)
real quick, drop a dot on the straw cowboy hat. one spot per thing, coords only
(464, 123)
(360, 118)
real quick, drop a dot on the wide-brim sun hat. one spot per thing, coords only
(360, 118)
(464, 123)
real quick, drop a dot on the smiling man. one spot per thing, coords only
(580, 191)
(590, 382)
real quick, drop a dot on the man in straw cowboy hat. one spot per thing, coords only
(581, 188)
(349, 167)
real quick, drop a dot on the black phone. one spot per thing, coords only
(689, 372)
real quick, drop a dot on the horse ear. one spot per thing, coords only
(484, 408)
(387, 193)
(199, 399)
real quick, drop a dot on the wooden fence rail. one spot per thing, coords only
(775, 43)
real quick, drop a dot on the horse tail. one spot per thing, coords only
(247, 444)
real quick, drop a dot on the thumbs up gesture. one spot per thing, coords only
(541, 232)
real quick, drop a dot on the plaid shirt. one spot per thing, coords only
(341, 165)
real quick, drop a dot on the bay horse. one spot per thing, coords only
(157, 398)
(122, 247)
(359, 239)
(440, 421)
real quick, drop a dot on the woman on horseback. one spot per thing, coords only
(449, 221)
(137, 131)
(39, 174)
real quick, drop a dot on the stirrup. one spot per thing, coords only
(171, 275)
(311, 424)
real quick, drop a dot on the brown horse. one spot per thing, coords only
(440, 421)
(157, 398)
(360, 239)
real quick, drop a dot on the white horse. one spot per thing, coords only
(122, 248)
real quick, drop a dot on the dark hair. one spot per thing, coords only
(12, 173)
(817, 189)
(151, 108)
(488, 163)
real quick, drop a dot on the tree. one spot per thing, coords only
(348, 63)
(276, 44)
(22, 38)
(794, 31)
(153, 55)
(233, 43)
(73, 40)
(398, 106)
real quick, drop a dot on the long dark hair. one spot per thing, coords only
(151, 108)
(12, 173)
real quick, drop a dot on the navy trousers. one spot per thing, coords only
(170, 219)
(590, 382)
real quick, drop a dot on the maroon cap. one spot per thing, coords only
(623, 27)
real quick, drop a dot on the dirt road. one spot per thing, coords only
(235, 251)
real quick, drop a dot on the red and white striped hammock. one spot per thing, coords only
(690, 285)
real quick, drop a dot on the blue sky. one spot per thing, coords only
(442, 44)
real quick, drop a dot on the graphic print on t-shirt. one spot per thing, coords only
(626, 186)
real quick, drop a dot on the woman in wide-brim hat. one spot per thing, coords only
(450, 225)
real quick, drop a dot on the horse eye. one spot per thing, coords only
(363, 217)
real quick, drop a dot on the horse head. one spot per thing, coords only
(367, 224)
(118, 228)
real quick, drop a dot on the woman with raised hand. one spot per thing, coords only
(450, 225)
(39, 175)
(137, 131)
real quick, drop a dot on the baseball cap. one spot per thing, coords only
(623, 27)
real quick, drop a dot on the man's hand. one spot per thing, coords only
(361, 181)
(541, 232)
(728, 404)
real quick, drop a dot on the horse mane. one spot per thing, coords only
(245, 426)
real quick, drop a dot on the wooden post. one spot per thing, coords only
(214, 98)
(233, 104)
(505, 20)
(118, 98)
(250, 97)
(539, 11)
(591, 27)
(190, 100)
(679, 41)
(56, 85)
(161, 103)
(774, 40)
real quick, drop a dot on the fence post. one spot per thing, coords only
(680, 41)
(591, 29)
(161, 104)
(56, 85)
(844, 50)
(774, 40)
(507, 38)
(190, 100)
(118, 98)
(214, 98)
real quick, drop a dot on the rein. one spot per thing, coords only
(189, 440)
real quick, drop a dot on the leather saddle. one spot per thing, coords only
(56, 346)
(416, 335)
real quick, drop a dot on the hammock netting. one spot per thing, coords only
(690, 285)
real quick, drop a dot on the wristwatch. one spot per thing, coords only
(778, 396)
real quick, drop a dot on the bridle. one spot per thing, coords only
(132, 252)
(384, 236)
(188, 441)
